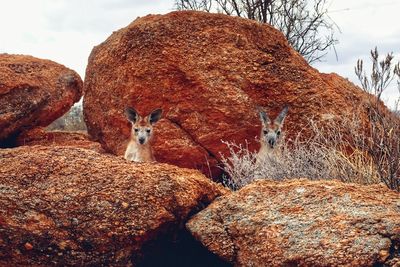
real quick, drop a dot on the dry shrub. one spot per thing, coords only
(346, 150)
(298, 160)
(382, 138)
(383, 145)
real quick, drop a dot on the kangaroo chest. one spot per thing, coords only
(137, 153)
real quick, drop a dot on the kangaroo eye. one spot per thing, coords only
(148, 130)
(265, 131)
(278, 132)
(136, 130)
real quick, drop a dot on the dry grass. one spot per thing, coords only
(346, 150)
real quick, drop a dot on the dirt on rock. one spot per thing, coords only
(303, 223)
(209, 73)
(66, 206)
(33, 92)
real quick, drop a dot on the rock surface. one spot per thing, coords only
(303, 223)
(39, 136)
(208, 72)
(75, 207)
(33, 92)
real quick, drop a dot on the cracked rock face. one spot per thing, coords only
(33, 92)
(208, 72)
(75, 207)
(303, 223)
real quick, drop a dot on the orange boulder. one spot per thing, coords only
(33, 92)
(303, 223)
(69, 206)
(208, 72)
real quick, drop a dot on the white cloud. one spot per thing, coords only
(100, 15)
(66, 30)
(364, 24)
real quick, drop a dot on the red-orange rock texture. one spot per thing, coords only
(303, 223)
(34, 92)
(39, 136)
(64, 206)
(208, 72)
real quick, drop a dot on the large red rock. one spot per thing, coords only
(33, 92)
(64, 206)
(209, 72)
(303, 223)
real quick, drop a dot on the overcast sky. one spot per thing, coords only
(65, 31)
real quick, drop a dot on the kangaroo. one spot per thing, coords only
(270, 132)
(139, 149)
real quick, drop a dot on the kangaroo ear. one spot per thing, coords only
(131, 114)
(155, 116)
(282, 115)
(264, 117)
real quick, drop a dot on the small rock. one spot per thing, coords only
(124, 205)
(28, 246)
(74, 221)
(383, 255)
(62, 245)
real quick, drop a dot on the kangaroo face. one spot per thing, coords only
(142, 131)
(271, 130)
(270, 134)
(142, 127)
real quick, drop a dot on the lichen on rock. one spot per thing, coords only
(303, 223)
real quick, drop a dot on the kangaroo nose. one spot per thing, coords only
(141, 141)
(271, 143)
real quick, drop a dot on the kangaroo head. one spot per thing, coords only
(142, 127)
(271, 130)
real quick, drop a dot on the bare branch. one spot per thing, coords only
(308, 28)
(382, 73)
